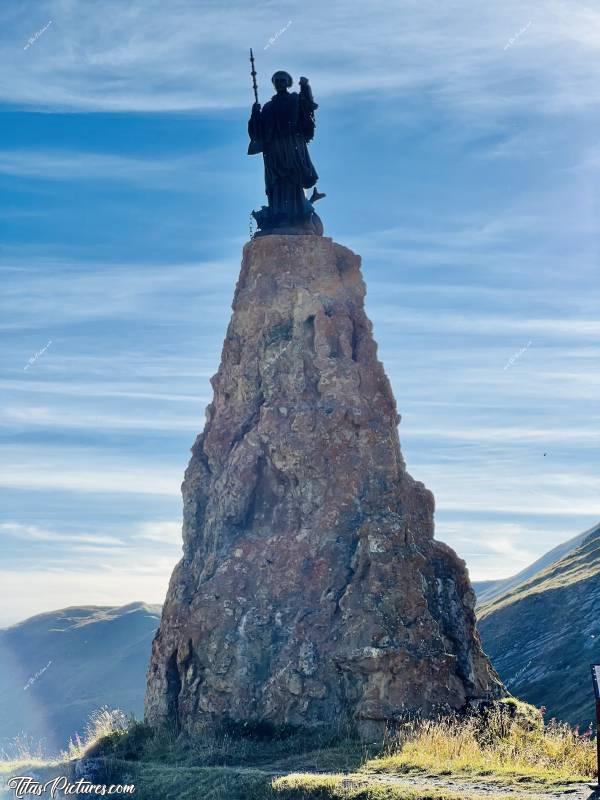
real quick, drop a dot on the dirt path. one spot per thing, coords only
(468, 786)
(482, 787)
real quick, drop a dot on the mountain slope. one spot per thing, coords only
(58, 667)
(488, 590)
(543, 634)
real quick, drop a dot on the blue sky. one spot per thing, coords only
(458, 145)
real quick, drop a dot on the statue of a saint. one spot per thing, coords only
(281, 131)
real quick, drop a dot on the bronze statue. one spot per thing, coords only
(281, 131)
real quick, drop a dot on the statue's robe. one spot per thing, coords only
(281, 131)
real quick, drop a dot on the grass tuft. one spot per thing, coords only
(107, 725)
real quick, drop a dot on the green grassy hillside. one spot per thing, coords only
(543, 634)
(57, 668)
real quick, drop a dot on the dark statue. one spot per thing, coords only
(281, 131)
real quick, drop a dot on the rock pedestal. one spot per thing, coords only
(311, 591)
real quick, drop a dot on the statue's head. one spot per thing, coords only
(282, 80)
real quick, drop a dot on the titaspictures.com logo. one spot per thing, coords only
(26, 786)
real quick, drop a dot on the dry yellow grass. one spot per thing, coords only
(496, 745)
(22, 752)
(103, 723)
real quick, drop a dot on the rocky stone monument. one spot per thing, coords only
(311, 591)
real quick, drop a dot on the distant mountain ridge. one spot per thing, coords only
(487, 590)
(543, 633)
(57, 668)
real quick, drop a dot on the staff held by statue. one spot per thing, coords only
(253, 73)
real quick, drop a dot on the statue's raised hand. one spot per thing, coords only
(303, 81)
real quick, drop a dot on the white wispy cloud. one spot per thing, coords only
(33, 533)
(481, 323)
(485, 486)
(74, 418)
(147, 56)
(78, 469)
(588, 435)
(37, 295)
(159, 172)
(139, 391)
(160, 531)
(494, 549)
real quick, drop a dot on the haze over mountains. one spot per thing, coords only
(541, 629)
(57, 668)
